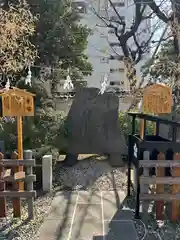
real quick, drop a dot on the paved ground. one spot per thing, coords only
(86, 216)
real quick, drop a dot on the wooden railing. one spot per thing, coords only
(10, 177)
(159, 193)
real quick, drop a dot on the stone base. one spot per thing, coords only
(115, 160)
(70, 160)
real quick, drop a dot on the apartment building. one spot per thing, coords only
(103, 49)
(118, 71)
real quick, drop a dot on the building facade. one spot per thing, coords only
(103, 49)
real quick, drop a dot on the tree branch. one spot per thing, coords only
(120, 18)
(156, 9)
(138, 20)
(124, 35)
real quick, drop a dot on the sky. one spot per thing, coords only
(165, 7)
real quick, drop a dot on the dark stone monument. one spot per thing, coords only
(94, 127)
(2, 147)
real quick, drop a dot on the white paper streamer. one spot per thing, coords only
(7, 86)
(104, 85)
(28, 78)
(68, 85)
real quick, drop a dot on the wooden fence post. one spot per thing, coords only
(175, 190)
(2, 188)
(16, 201)
(145, 187)
(160, 172)
(28, 156)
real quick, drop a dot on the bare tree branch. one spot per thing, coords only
(156, 9)
(130, 38)
(122, 22)
(138, 19)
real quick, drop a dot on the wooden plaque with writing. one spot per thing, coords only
(17, 102)
(157, 99)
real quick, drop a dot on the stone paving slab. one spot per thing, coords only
(120, 230)
(87, 216)
(62, 205)
(65, 197)
(89, 197)
(85, 229)
(88, 211)
(82, 211)
(61, 211)
(55, 229)
(111, 203)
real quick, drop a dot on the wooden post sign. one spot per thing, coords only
(18, 103)
(157, 99)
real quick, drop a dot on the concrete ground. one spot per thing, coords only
(83, 215)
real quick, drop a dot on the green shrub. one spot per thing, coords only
(126, 125)
(47, 132)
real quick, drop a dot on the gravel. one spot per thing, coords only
(91, 174)
(19, 229)
(87, 174)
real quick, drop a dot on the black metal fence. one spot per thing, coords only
(144, 153)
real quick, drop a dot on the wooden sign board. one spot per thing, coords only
(157, 99)
(17, 102)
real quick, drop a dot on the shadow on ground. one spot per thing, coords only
(119, 226)
(146, 228)
(84, 174)
(123, 216)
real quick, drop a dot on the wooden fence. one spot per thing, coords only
(156, 184)
(11, 175)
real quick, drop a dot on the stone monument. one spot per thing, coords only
(93, 126)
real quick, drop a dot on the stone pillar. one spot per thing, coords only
(115, 160)
(47, 173)
(28, 155)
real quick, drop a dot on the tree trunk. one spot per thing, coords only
(176, 33)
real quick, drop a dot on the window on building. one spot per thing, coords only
(116, 57)
(119, 4)
(104, 60)
(114, 44)
(102, 35)
(112, 31)
(113, 83)
(111, 57)
(112, 70)
(80, 6)
(116, 18)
